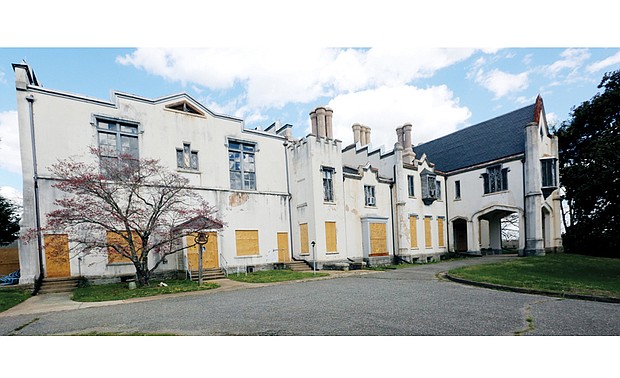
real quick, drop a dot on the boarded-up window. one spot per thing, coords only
(378, 239)
(413, 230)
(428, 241)
(440, 232)
(121, 244)
(330, 237)
(247, 242)
(303, 237)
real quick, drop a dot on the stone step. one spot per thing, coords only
(58, 285)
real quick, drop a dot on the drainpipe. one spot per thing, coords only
(522, 253)
(447, 217)
(288, 189)
(392, 211)
(37, 284)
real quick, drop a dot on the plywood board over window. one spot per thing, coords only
(330, 237)
(209, 254)
(440, 232)
(413, 230)
(247, 242)
(428, 241)
(303, 237)
(114, 239)
(378, 239)
(283, 254)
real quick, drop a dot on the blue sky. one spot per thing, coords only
(403, 77)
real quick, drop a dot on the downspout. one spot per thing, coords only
(38, 281)
(447, 218)
(288, 189)
(392, 211)
(522, 253)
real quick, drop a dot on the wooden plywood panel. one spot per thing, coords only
(378, 239)
(428, 241)
(413, 231)
(283, 247)
(9, 260)
(330, 237)
(303, 237)
(56, 255)
(210, 256)
(247, 242)
(119, 241)
(440, 232)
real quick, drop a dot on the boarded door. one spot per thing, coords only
(283, 247)
(56, 255)
(378, 239)
(209, 256)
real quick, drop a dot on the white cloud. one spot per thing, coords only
(10, 157)
(502, 83)
(572, 60)
(602, 64)
(274, 78)
(2, 79)
(433, 112)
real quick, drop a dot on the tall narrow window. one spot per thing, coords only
(428, 240)
(369, 195)
(413, 230)
(410, 186)
(438, 189)
(548, 172)
(186, 158)
(241, 165)
(440, 232)
(495, 179)
(330, 237)
(328, 184)
(457, 189)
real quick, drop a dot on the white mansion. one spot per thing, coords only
(304, 199)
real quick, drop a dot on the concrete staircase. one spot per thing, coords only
(299, 266)
(209, 274)
(58, 285)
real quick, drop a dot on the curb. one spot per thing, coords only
(530, 291)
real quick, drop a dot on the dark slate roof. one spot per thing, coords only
(487, 141)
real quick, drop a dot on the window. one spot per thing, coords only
(438, 189)
(246, 242)
(303, 238)
(495, 179)
(428, 240)
(186, 158)
(457, 189)
(440, 232)
(548, 173)
(328, 184)
(430, 187)
(116, 139)
(369, 195)
(413, 230)
(118, 246)
(330, 237)
(410, 186)
(241, 165)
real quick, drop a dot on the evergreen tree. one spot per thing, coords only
(9, 222)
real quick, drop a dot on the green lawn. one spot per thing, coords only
(12, 297)
(116, 291)
(265, 276)
(574, 274)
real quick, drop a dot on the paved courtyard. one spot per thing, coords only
(410, 301)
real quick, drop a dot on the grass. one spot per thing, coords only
(118, 291)
(12, 297)
(563, 273)
(265, 276)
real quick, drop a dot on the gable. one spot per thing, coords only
(487, 141)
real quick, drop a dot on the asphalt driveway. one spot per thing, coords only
(409, 301)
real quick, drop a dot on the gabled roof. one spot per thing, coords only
(487, 141)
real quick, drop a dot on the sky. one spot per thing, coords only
(439, 85)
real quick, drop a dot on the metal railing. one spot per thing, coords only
(225, 265)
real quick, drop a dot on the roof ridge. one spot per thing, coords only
(479, 123)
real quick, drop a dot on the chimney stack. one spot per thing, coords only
(313, 122)
(408, 154)
(356, 132)
(367, 130)
(320, 120)
(329, 113)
